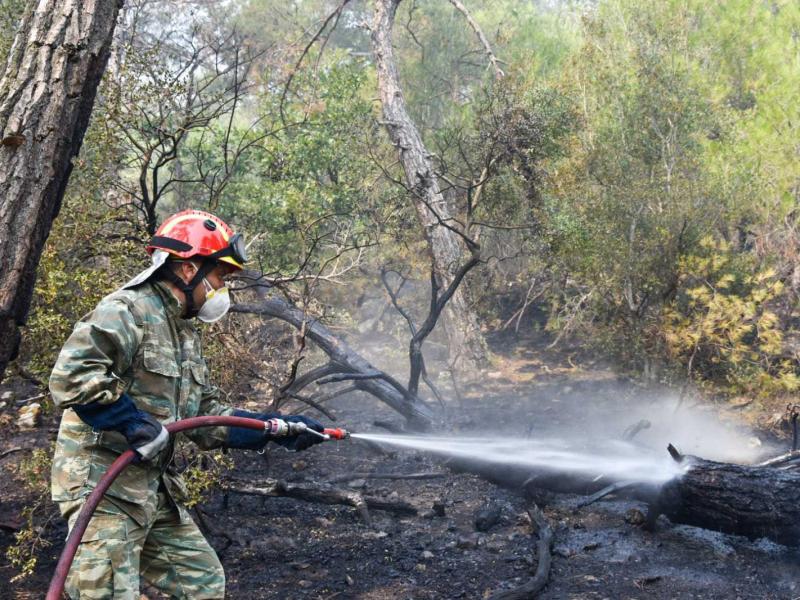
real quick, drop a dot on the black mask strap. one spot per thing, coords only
(188, 288)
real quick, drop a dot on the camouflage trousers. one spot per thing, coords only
(169, 552)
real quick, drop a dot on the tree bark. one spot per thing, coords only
(744, 500)
(467, 345)
(46, 97)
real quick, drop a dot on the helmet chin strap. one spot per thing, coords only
(188, 288)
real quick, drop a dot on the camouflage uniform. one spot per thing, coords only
(134, 341)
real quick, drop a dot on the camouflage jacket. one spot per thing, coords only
(134, 341)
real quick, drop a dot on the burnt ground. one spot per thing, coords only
(282, 548)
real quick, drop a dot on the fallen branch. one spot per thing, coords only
(5, 453)
(343, 359)
(313, 404)
(320, 493)
(539, 580)
(634, 429)
(391, 476)
(24, 401)
(780, 460)
(610, 489)
(349, 377)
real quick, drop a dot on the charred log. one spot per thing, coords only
(745, 500)
(750, 500)
(531, 482)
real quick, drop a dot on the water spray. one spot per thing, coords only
(614, 458)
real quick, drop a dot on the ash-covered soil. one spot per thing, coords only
(283, 548)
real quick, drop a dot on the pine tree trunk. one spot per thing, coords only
(463, 332)
(46, 97)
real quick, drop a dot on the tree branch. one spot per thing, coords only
(498, 72)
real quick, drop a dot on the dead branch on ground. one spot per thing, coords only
(530, 589)
(320, 493)
(11, 451)
(389, 476)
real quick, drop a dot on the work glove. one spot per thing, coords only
(252, 439)
(304, 440)
(141, 430)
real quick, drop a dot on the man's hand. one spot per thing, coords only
(146, 435)
(142, 431)
(304, 440)
(239, 437)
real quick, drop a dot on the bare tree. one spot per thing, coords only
(46, 97)
(172, 105)
(441, 229)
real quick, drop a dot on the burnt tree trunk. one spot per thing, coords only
(46, 97)
(467, 345)
(744, 500)
(754, 501)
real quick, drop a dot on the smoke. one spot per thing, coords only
(578, 409)
(701, 431)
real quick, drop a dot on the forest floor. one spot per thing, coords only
(283, 548)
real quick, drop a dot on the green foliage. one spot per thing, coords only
(203, 473)
(680, 157)
(302, 190)
(34, 473)
(634, 155)
(722, 323)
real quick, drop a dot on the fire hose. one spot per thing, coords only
(127, 457)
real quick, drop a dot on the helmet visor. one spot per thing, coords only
(234, 253)
(238, 248)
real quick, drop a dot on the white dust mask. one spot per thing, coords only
(216, 305)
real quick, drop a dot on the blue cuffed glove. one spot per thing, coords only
(305, 439)
(249, 439)
(142, 430)
(252, 439)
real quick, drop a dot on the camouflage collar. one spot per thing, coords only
(173, 306)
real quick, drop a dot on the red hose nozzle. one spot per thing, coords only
(335, 433)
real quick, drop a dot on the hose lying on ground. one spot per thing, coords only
(126, 458)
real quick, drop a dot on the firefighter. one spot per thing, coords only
(130, 365)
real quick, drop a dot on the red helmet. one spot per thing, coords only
(196, 233)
